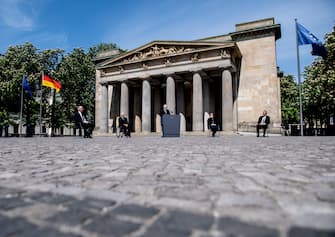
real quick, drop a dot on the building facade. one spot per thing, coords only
(233, 76)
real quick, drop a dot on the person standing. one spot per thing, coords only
(163, 111)
(124, 125)
(263, 122)
(81, 122)
(212, 124)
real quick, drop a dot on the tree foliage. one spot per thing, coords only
(75, 71)
(319, 85)
(77, 75)
(25, 60)
(289, 100)
(103, 47)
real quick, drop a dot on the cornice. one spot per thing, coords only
(256, 32)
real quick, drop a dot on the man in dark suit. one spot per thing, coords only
(263, 122)
(212, 124)
(163, 111)
(81, 122)
(124, 125)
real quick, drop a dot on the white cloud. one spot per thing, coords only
(17, 14)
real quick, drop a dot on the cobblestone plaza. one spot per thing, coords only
(194, 186)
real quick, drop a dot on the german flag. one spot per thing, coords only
(50, 82)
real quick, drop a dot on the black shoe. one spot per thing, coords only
(257, 135)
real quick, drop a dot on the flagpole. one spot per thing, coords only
(41, 99)
(21, 107)
(299, 82)
(51, 102)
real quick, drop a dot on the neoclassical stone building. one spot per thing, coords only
(233, 75)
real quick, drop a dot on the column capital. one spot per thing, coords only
(174, 76)
(169, 75)
(144, 75)
(145, 78)
(231, 68)
(197, 70)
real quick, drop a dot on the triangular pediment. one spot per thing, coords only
(161, 49)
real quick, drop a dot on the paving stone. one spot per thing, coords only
(110, 226)
(90, 204)
(45, 232)
(234, 227)
(48, 197)
(9, 192)
(161, 230)
(271, 184)
(15, 226)
(328, 196)
(133, 210)
(72, 217)
(183, 220)
(13, 202)
(309, 232)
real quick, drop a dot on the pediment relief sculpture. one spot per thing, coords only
(156, 51)
(225, 53)
(195, 57)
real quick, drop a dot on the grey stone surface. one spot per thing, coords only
(107, 225)
(233, 227)
(133, 210)
(149, 186)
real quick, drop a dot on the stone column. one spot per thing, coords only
(124, 103)
(104, 109)
(171, 94)
(206, 103)
(146, 107)
(110, 103)
(97, 100)
(227, 101)
(181, 105)
(157, 108)
(235, 106)
(137, 108)
(197, 112)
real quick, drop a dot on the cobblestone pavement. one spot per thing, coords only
(197, 186)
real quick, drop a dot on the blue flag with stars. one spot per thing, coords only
(305, 36)
(26, 86)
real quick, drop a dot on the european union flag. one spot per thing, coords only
(26, 86)
(305, 36)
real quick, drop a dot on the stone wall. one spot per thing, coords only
(259, 85)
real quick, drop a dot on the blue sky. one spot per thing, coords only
(68, 24)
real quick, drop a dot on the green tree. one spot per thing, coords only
(26, 60)
(319, 85)
(17, 61)
(77, 75)
(75, 71)
(103, 47)
(289, 100)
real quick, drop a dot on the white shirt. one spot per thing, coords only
(82, 117)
